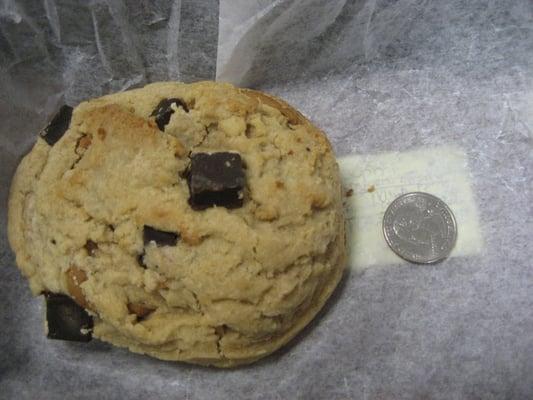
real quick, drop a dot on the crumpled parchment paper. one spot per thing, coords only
(403, 89)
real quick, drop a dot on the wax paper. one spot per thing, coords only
(414, 95)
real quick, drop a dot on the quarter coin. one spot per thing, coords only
(420, 228)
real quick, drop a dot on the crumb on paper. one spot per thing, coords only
(349, 193)
(85, 331)
(371, 189)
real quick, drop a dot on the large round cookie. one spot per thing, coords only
(195, 222)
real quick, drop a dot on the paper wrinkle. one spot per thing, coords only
(285, 35)
(53, 19)
(10, 11)
(86, 49)
(172, 40)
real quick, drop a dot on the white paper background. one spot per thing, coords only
(377, 179)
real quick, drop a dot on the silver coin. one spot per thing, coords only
(420, 227)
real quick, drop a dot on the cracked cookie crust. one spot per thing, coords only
(193, 222)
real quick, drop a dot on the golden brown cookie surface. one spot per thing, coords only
(224, 276)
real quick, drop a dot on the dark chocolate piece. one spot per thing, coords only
(161, 238)
(66, 320)
(57, 126)
(140, 260)
(140, 310)
(163, 111)
(91, 247)
(216, 179)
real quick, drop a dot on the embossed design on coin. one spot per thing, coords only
(420, 227)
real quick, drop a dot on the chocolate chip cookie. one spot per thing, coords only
(193, 222)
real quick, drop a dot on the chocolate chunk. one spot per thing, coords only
(140, 260)
(161, 238)
(163, 111)
(140, 310)
(66, 320)
(216, 179)
(58, 126)
(91, 247)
